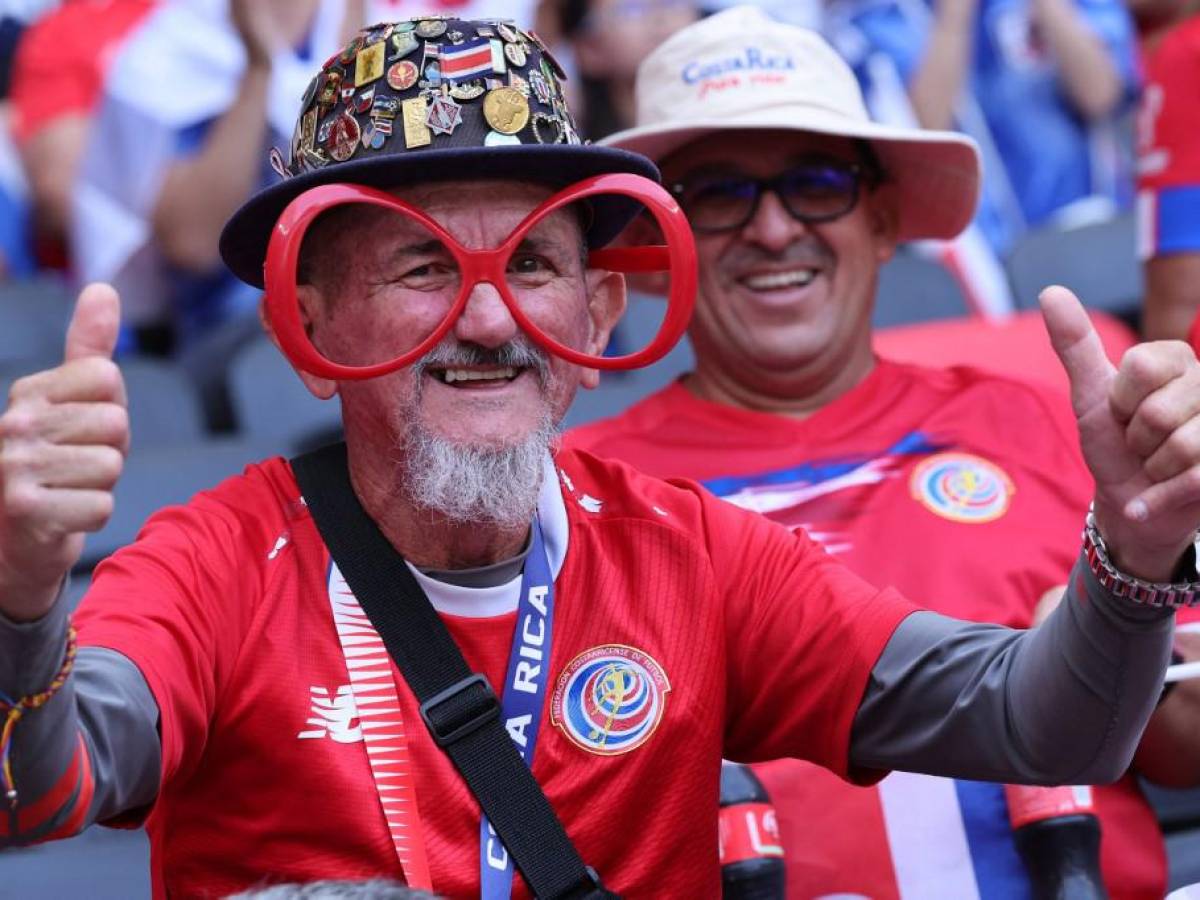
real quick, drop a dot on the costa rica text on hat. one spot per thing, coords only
(740, 69)
(433, 98)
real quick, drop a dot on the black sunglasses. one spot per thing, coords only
(814, 190)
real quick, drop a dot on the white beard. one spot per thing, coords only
(485, 485)
(493, 485)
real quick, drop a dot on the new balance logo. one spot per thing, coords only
(333, 717)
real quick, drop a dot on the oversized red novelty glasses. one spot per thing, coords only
(437, 265)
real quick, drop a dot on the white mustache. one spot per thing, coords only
(517, 353)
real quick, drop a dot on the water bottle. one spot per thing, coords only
(751, 853)
(1058, 836)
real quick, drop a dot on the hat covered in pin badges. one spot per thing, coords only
(430, 99)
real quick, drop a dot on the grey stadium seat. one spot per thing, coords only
(1098, 262)
(1178, 813)
(271, 404)
(155, 477)
(100, 864)
(164, 409)
(33, 324)
(913, 288)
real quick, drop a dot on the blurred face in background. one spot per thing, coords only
(784, 305)
(616, 35)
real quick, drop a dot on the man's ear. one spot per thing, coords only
(884, 211)
(606, 304)
(308, 297)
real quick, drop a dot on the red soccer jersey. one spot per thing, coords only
(63, 57)
(762, 641)
(1169, 144)
(965, 491)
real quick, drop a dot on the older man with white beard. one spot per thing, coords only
(228, 679)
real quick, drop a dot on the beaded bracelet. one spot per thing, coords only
(14, 710)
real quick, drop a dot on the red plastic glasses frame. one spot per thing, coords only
(677, 256)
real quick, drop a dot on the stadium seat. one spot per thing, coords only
(100, 864)
(270, 403)
(155, 477)
(1183, 857)
(1098, 262)
(33, 323)
(914, 288)
(164, 409)
(207, 360)
(1178, 813)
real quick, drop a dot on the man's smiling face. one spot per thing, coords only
(382, 282)
(778, 295)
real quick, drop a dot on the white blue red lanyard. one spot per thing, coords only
(523, 697)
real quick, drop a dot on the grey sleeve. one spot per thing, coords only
(1063, 703)
(105, 701)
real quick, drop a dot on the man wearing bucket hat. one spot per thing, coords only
(228, 677)
(960, 488)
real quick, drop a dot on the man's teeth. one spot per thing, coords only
(777, 280)
(452, 375)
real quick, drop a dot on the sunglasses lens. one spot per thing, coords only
(819, 191)
(716, 203)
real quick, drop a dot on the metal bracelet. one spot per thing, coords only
(1119, 584)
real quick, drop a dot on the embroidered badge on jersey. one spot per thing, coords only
(962, 487)
(609, 699)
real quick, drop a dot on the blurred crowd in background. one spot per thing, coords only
(131, 129)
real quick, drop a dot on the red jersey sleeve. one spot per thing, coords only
(803, 633)
(176, 603)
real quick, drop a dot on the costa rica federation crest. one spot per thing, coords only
(609, 699)
(962, 487)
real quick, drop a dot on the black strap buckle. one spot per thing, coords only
(450, 716)
(590, 889)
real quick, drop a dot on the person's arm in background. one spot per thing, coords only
(50, 157)
(1169, 753)
(1090, 76)
(1172, 299)
(945, 66)
(200, 193)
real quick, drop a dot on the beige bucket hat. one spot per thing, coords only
(741, 69)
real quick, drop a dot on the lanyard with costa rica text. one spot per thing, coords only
(523, 697)
(459, 708)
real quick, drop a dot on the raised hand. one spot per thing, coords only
(63, 441)
(1139, 427)
(255, 22)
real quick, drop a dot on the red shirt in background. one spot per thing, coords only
(964, 490)
(62, 59)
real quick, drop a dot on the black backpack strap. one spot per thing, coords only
(459, 707)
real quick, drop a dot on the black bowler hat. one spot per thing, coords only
(433, 99)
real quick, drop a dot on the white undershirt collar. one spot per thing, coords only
(502, 598)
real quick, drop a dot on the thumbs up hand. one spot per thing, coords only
(63, 441)
(1139, 427)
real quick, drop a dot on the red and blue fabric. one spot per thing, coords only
(470, 59)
